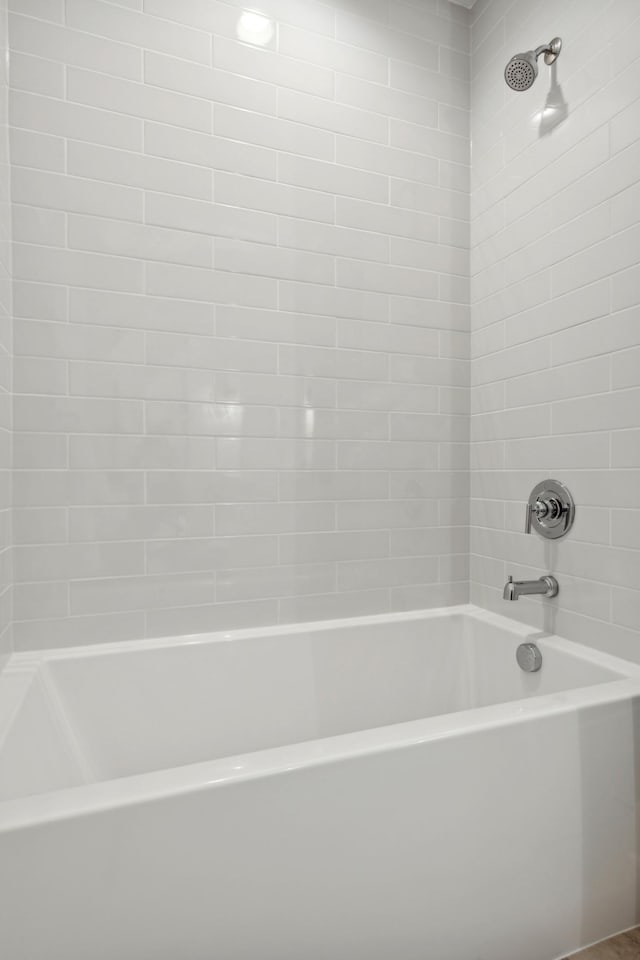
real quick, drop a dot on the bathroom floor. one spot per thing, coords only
(624, 947)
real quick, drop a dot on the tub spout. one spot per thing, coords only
(544, 587)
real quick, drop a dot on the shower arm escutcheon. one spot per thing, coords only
(550, 510)
(551, 51)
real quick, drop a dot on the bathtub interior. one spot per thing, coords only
(100, 714)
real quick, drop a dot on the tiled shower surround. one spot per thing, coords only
(556, 311)
(241, 314)
(242, 327)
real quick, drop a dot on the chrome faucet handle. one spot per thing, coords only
(550, 510)
(541, 509)
(527, 521)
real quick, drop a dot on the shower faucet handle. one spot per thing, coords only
(542, 509)
(550, 510)
(527, 524)
(538, 508)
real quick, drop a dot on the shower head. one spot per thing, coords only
(522, 70)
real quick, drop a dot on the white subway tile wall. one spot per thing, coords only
(241, 297)
(6, 375)
(555, 285)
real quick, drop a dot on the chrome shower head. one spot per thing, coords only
(522, 70)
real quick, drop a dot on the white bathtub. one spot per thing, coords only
(386, 788)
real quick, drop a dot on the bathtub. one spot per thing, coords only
(382, 788)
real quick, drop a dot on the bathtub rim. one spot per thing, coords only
(137, 789)
(27, 659)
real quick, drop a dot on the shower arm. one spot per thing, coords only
(551, 51)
